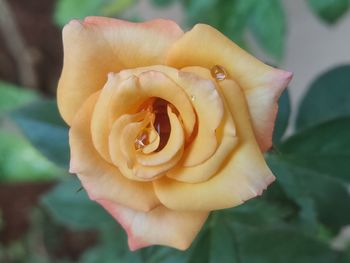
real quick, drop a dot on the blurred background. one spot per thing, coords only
(44, 214)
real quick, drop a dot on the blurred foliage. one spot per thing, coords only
(42, 124)
(19, 161)
(329, 11)
(67, 10)
(265, 19)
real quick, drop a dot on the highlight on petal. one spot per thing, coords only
(244, 176)
(160, 226)
(206, 47)
(102, 180)
(96, 46)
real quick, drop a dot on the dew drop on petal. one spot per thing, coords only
(193, 98)
(141, 140)
(218, 72)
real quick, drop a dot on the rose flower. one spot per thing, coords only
(165, 126)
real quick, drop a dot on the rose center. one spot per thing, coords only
(161, 123)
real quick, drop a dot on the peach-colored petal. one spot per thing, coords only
(204, 96)
(124, 155)
(159, 226)
(97, 46)
(174, 145)
(226, 137)
(206, 47)
(100, 179)
(126, 96)
(244, 176)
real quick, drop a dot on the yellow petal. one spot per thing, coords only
(174, 145)
(226, 137)
(102, 180)
(204, 96)
(123, 153)
(206, 47)
(209, 109)
(154, 139)
(97, 46)
(244, 176)
(120, 97)
(159, 226)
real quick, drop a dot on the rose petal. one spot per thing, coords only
(227, 140)
(125, 97)
(97, 46)
(101, 180)
(159, 226)
(204, 96)
(244, 176)
(206, 47)
(123, 153)
(174, 145)
(209, 109)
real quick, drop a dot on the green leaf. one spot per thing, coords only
(71, 208)
(66, 10)
(268, 25)
(112, 248)
(42, 125)
(313, 169)
(327, 98)
(20, 162)
(216, 243)
(330, 196)
(113, 7)
(282, 117)
(162, 3)
(13, 96)
(280, 245)
(324, 148)
(329, 10)
(230, 17)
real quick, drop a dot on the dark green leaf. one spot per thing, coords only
(43, 126)
(330, 196)
(216, 243)
(13, 96)
(162, 2)
(280, 245)
(269, 26)
(230, 17)
(112, 248)
(282, 117)
(324, 149)
(329, 10)
(73, 209)
(327, 98)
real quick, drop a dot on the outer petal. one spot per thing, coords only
(204, 46)
(244, 176)
(101, 180)
(159, 226)
(97, 46)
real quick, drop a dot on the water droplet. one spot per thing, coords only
(141, 140)
(218, 72)
(193, 98)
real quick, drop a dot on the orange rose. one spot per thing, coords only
(166, 126)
